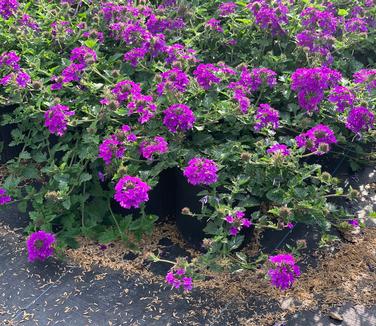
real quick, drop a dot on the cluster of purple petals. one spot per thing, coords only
(269, 15)
(317, 139)
(174, 80)
(367, 77)
(4, 198)
(80, 58)
(40, 245)
(157, 25)
(207, 74)
(178, 53)
(279, 149)
(354, 222)
(156, 146)
(83, 55)
(131, 192)
(111, 148)
(214, 25)
(265, 117)
(130, 93)
(56, 119)
(8, 8)
(251, 81)
(226, 9)
(201, 171)
(285, 271)
(342, 97)
(311, 83)
(61, 28)
(237, 221)
(27, 21)
(360, 119)
(178, 279)
(9, 61)
(178, 117)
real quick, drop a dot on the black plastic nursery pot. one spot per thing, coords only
(8, 152)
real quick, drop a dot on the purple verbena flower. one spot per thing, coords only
(317, 139)
(111, 148)
(343, 97)
(214, 25)
(179, 117)
(177, 279)
(279, 149)
(83, 56)
(237, 221)
(266, 116)
(360, 119)
(8, 8)
(156, 146)
(56, 119)
(4, 198)
(40, 245)
(366, 77)
(201, 171)
(10, 60)
(226, 8)
(285, 271)
(174, 80)
(131, 192)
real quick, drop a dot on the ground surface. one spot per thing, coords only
(115, 291)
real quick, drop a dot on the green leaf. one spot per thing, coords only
(107, 236)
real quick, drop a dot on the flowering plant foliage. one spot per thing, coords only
(107, 95)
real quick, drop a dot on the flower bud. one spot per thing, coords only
(115, 73)
(37, 85)
(284, 212)
(353, 194)
(326, 176)
(324, 148)
(245, 156)
(186, 211)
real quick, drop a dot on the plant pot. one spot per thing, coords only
(8, 152)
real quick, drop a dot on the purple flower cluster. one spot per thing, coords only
(251, 81)
(174, 80)
(131, 192)
(80, 58)
(201, 171)
(130, 93)
(266, 116)
(354, 223)
(179, 117)
(56, 119)
(178, 54)
(269, 15)
(367, 77)
(27, 21)
(40, 245)
(319, 30)
(279, 149)
(311, 83)
(226, 8)
(8, 8)
(237, 221)
(206, 75)
(83, 56)
(214, 25)
(178, 279)
(10, 62)
(4, 198)
(360, 119)
(285, 271)
(156, 146)
(343, 97)
(111, 148)
(317, 139)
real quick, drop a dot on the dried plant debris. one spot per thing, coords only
(323, 286)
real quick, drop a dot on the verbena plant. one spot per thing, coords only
(237, 95)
